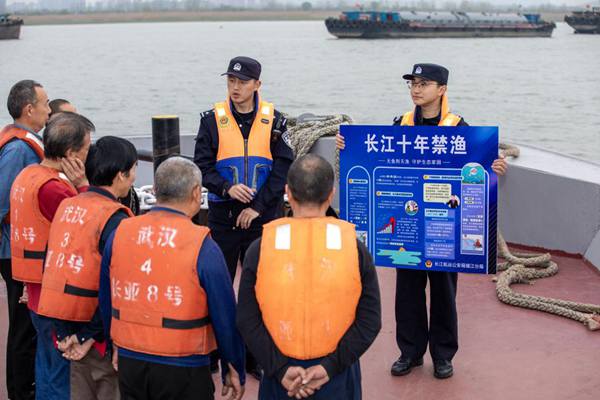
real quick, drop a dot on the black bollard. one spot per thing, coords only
(165, 137)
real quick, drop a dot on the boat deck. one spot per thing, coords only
(505, 352)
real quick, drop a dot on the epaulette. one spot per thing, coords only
(280, 123)
(207, 113)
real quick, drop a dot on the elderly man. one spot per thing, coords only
(20, 146)
(309, 302)
(72, 271)
(167, 299)
(34, 198)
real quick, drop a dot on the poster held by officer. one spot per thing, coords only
(422, 197)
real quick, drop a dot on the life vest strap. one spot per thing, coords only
(81, 292)
(174, 323)
(34, 255)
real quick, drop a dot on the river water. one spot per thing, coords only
(540, 91)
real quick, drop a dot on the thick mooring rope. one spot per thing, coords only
(517, 268)
(525, 267)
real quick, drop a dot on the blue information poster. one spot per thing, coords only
(422, 197)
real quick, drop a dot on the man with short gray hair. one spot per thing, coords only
(166, 297)
(35, 196)
(20, 146)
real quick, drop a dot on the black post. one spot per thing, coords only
(165, 137)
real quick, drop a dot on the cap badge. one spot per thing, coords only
(237, 67)
(418, 70)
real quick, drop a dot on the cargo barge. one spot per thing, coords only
(443, 24)
(587, 21)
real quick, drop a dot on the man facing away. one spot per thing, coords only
(309, 302)
(71, 277)
(166, 297)
(35, 196)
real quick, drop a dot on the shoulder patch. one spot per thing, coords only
(287, 140)
(207, 113)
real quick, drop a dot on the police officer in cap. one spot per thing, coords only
(244, 153)
(428, 86)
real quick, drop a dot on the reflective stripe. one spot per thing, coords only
(34, 138)
(334, 237)
(283, 239)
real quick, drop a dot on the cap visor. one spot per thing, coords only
(408, 77)
(238, 75)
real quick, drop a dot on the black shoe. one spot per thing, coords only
(442, 369)
(403, 365)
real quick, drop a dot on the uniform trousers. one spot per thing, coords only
(233, 243)
(413, 332)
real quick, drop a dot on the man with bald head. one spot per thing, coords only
(309, 302)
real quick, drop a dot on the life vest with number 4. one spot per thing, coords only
(240, 160)
(72, 270)
(159, 306)
(308, 284)
(446, 117)
(29, 228)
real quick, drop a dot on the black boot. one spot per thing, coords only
(403, 365)
(442, 369)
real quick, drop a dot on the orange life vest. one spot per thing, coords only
(308, 284)
(11, 132)
(29, 228)
(159, 306)
(72, 269)
(446, 119)
(240, 160)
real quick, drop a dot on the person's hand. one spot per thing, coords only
(340, 143)
(25, 296)
(74, 169)
(232, 389)
(246, 217)
(115, 358)
(64, 344)
(241, 193)
(499, 166)
(77, 351)
(316, 377)
(292, 380)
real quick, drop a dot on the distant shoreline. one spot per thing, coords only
(196, 16)
(175, 16)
